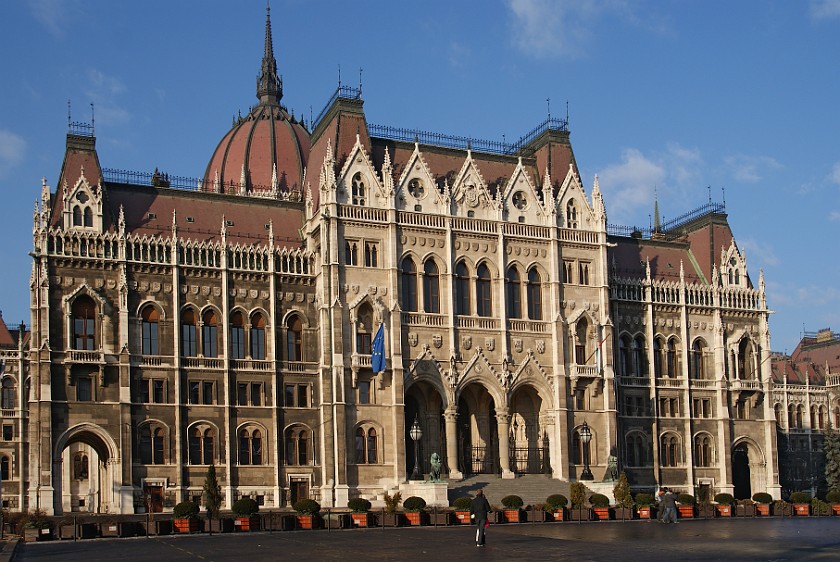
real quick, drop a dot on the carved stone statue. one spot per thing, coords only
(612, 468)
(434, 475)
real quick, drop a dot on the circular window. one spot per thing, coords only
(519, 200)
(415, 187)
(82, 197)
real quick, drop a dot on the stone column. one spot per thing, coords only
(503, 427)
(451, 418)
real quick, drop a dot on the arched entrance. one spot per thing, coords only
(528, 439)
(423, 402)
(741, 472)
(478, 438)
(85, 471)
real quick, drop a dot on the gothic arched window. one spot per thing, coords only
(150, 318)
(84, 331)
(358, 190)
(462, 289)
(431, 287)
(483, 293)
(257, 336)
(188, 343)
(409, 285)
(237, 336)
(514, 293)
(294, 339)
(210, 334)
(534, 294)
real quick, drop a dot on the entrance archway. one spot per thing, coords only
(478, 437)
(85, 471)
(528, 440)
(741, 472)
(423, 402)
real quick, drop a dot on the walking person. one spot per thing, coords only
(669, 501)
(479, 509)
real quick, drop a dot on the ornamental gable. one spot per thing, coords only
(470, 195)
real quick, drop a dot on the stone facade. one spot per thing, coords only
(232, 324)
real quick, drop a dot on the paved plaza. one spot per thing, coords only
(735, 539)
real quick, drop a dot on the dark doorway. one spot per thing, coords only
(741, 472)
(154, 499)
(298, 490)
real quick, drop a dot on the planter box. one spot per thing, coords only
(724, 510)
(417, 518)
(440, 518)
(221, 525)
(835, 509)
(686, 511)
(30, 535)
(802, 509)
(786, 510)
(745, 510)
(647, 512)
(558, 514)
(119, 529)
(536, 516)
(308, 521)
(392, 519)
(247, 524)
(186, 525)
(463, 517)
(623, 513)
(512, 515)
(580, 514)
(362, 519)
(762, 509)
(601, 513)
(164, 527)
(66, 531)
(707, 511)
(278, 522)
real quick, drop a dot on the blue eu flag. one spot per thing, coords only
(377, 357)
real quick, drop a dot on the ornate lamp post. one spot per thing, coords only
(416, 434)
(585, 438)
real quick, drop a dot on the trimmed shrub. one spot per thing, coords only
(359, 505)
(833, 496)
(512, 502)
(556, 501)
(578, 494)
(621, 492)
(819, 507)
(643, 499)
(307, 507)
(414, 503)
(392, 502)
(460, 503)
(800, 497)
(724, 499)
(685, 499)
(599, 500)
(245, 507)
(762, 497)
(186, 510)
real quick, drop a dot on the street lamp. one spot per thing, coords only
(416, 434)
(585, 438)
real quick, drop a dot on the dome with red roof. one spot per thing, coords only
(265, 152)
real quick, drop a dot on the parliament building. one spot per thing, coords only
(228, 320)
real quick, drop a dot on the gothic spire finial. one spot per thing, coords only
(269, 84)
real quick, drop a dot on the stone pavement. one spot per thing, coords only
(733, 539)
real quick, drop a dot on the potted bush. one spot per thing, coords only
(536, 513)
(555, 504)
(724, 504)
(819, 507)
(38, 527)
(186, 517)
(623, 498)
(833, 499)
(245, 513)
(307, 513)
(601, 506)
(212, 494)
(801, 503)
(360, 515)
(744, 508)
(391, 518)
(645, 503)
(781, 507)
(762, 503)
(513, 508)
(66, 527)
(414, 506)
(579, 511)
(686, 506)
(462, 509)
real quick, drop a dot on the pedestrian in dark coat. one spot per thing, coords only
(479, 509)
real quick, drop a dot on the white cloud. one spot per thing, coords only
(104, 90)
(834, 177)
(12, 150)
(834, 216)
(759, 250)
(629, 185)
(751, 169)
(545, 28)
(825, 9)
(101, 82)
(55, 15)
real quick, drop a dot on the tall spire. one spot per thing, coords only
(269, 85)
(657, 224)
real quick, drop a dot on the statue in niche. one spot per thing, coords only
(434, 474)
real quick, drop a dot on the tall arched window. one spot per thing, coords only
(483, 294)
(657, 357)
(534, 294)
(462, 289)
(746, 370)
(581, 330)
(671, 358)
(297, 446)
(77, 216)
(188, 343)
(88, 217)
(703, 451)
(669, 451)
(697, 367)
(151, 444)
(431, 287)
(514, 294)
(250, 446)
(358, 190)
(84, 332)
(636, 450)
(639, 363)
(371, 446)
(800, 409)
(5, 472)
(257, 336)
(210, 334)
(791, 416)
(294, 339)
(201, 445)
(8, 397)
(409, 285)
(571, 214)
(364, 327)
(237, 336)
(80, 466)
(777, 411)
(624, 360)
(150, 318)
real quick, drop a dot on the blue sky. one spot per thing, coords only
(665, 95)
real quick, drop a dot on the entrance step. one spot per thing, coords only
(532, 488)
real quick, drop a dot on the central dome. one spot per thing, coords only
(265, 152)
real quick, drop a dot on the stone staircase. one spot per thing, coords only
(532, 488)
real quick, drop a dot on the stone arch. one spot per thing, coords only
(477, 432)
(748, 467)
(96, 491)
